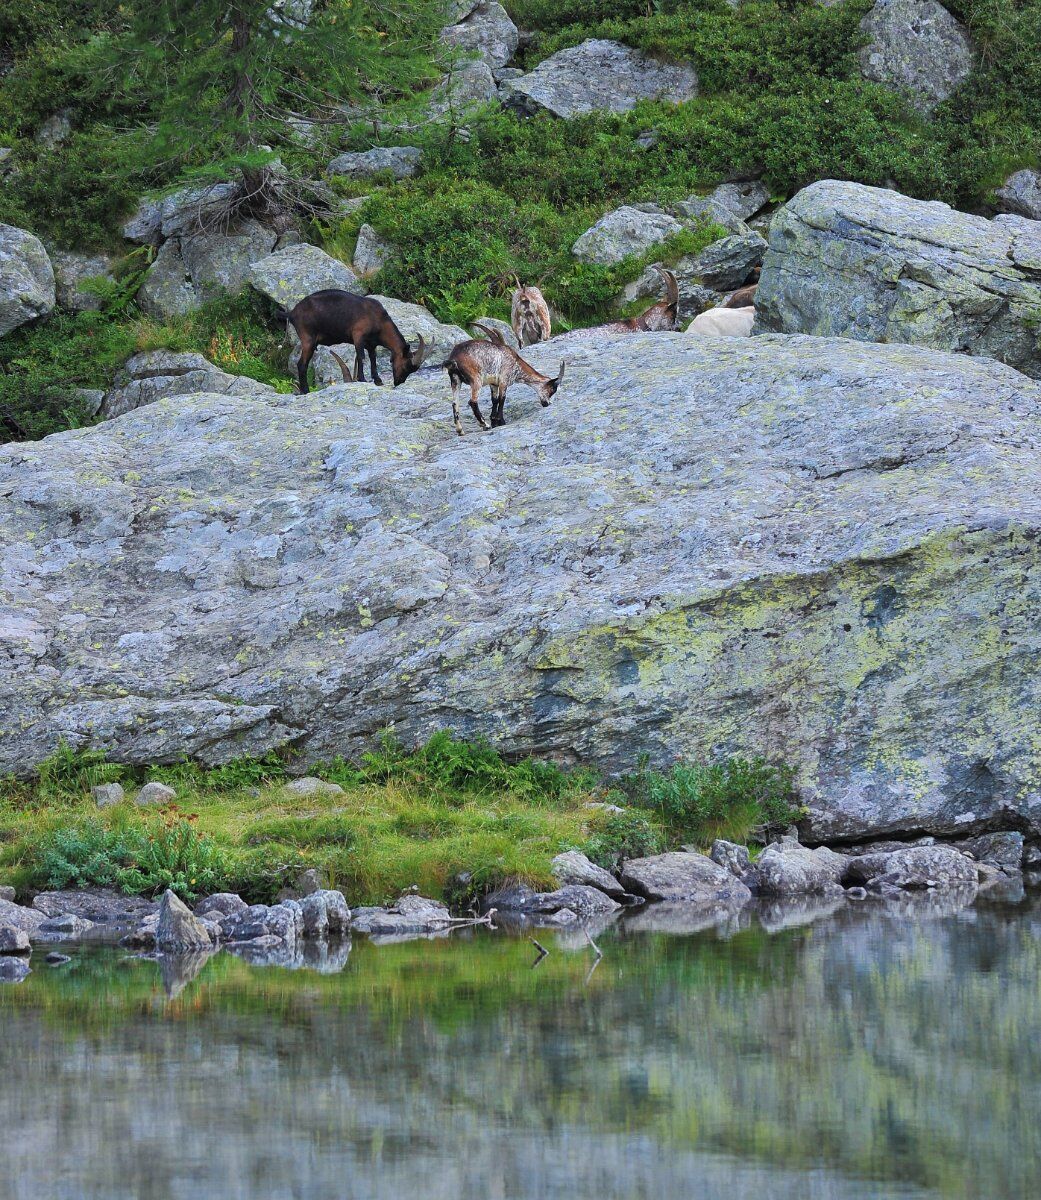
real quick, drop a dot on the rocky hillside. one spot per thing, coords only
(434, 152)
(815, 549)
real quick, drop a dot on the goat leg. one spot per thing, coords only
(475, 408)
(498, 404)
(372, 363)
(359, 365)
(455, 407)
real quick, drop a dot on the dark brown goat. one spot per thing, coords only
(660, 317)
(331, 317)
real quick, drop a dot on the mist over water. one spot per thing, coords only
(875, 1052)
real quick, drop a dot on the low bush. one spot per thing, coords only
(137, 856)
(624, 835)
(696, 802)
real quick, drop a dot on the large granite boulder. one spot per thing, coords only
(155, 374)
(400, 161)
(683, 876)
(1021, 194)
(468, 85)
(189, 271)
(178, 928)
(188, 211)
(26, 278)
(624, 232)
(598, 76)
(486, 31)
(817, 550)
(788, 869)
(912, 867)
(859, 262)
(292, 273)
(916, 47)
(73, 275)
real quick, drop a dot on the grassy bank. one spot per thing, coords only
(452, 818)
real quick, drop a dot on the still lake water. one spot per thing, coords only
(876, 1052)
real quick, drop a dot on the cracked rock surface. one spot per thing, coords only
(817, 550)
(851, 261)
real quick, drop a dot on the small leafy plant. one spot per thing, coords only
(143, 858)
(697, 802)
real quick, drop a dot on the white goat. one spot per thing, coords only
(724, 322)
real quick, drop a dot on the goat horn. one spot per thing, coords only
(560, 373)
(516, 280)
(422, 350)
(348, 376)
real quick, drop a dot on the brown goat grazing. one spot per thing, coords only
(660, 317)
(529, 315)
(494, 363)
(330, 317)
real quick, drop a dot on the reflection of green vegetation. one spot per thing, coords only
(881, 1049)
(425, 817)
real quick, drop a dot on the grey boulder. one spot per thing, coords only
(682, 876)
(467, 86)
(1021, 194)
(400, 161)
(1002, 850)
(292, 273)
(189, 271)
(154, 793)
(598, 76)
(807, 560)
(27, 289)
(19, 917)
(221, 904)
(788, 869)
(14, 940)
(159, 374)
(916, 47)
(96, 905)
(573, 867)
(913, 867)
(486, 31)
(370, 252)
(622, 233)
(178, 928)
(73, 274)
(106, 795)
(851, 261)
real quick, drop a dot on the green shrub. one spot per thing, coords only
(136, 857)
(698, 802)
(69, 774)
(447, 764)
(624, 835)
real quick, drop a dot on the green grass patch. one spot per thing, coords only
(452, 818)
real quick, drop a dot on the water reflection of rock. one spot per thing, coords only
(882, 1058)
(178, 970)
(327, 957)
(776, 915)
(683, 917)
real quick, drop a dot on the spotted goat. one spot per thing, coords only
(660, 317)
(529, 315)
(492, 362)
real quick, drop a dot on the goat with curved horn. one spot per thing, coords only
(333, 317)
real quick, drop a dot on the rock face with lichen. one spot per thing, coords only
(817, 550)
(846, 260)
